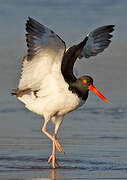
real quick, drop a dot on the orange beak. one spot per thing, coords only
(93, 89)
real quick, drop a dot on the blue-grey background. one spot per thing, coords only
(93, 137)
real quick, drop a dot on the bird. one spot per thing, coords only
(47, 85)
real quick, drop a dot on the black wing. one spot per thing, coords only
(95, 42)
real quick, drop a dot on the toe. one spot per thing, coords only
(50, 158)
(58, 146)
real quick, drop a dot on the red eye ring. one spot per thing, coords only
(85, 81)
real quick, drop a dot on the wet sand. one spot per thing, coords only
(93, 140)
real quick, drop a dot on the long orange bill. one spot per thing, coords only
(93, 89)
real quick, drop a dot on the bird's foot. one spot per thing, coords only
(58, 146)
(54, 161)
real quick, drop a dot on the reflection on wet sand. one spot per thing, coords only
(52, 173)
(35, 179)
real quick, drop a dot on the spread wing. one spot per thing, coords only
(45, 53)
(95, 42)
(98, 40)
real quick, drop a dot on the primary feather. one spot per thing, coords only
(45, 52)
(98, 40)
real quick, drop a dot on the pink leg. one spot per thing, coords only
(53, 138)
(53, 157)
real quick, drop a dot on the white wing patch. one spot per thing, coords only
(45, 52)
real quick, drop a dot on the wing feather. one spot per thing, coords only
(98, 40)
(45, 52)
(95, 42)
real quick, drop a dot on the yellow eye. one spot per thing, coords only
(85, 81)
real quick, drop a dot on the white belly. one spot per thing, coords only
(60, 103)
(53, 97)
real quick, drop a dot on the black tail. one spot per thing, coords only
(20, 93)
(15, 93)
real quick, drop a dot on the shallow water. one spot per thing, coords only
(94, 137)
(95, 148)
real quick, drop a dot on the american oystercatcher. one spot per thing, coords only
(47, 85)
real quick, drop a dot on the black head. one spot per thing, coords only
(85, 81)
(82, 86)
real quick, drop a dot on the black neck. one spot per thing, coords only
(82, 94)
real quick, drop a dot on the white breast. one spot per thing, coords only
(58, 100)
